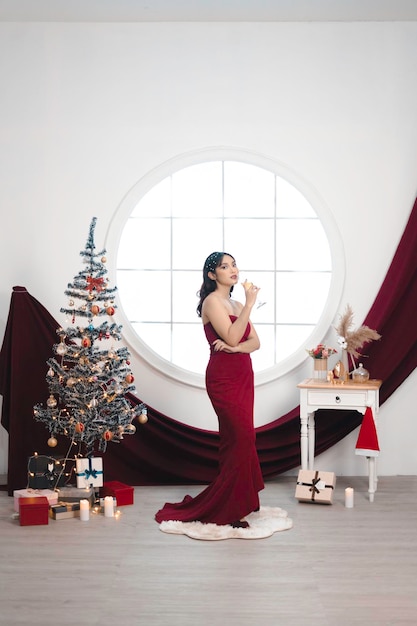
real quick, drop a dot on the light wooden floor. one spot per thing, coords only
(336, 567)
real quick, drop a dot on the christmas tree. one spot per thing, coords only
(88, 379)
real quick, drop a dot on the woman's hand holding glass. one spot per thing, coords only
(251, 292)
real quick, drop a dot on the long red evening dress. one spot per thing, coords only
(234, 492)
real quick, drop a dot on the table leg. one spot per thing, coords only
(372, 477)
(311, 440)
(304, 440)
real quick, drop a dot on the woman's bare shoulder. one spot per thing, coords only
(215, 307)
(208, 305)
(236, 306)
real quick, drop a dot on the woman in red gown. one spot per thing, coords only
(234, 493)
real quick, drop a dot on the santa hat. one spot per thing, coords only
(367, 443)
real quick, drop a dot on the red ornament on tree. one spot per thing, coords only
(85, 342)
(108, 435)
(79, 427)
(110, 310)
(95, 284)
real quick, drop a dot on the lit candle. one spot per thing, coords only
(84, 510)
(108, 506)
(349, 493)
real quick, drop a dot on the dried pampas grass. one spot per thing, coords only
(353, 340)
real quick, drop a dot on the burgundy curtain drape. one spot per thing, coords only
(165, 451)
(393, 315)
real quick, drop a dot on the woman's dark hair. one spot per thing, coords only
(211, 263)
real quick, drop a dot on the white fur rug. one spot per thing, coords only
(264, 523)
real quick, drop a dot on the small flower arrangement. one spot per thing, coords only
(321, 351)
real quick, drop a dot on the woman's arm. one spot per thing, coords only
(251, 344)
(216, 313)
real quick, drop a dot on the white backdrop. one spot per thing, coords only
(87, 110)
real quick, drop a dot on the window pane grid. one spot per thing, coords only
(268, 225)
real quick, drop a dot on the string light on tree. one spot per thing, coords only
(88, 380)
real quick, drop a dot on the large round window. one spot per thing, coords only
(281, 236)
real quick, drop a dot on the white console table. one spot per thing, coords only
(315, 394)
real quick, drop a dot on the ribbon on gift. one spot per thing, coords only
(68, 506)
(313, 485)
(89, 472)
(50, 476)
(49, 473)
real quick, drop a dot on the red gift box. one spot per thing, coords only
(33, 511)
(123, 493)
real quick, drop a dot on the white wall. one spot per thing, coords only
(86, 110)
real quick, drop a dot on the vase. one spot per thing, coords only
(345, 361)
(320, 369)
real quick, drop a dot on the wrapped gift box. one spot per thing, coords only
(89, 472)
(45, 472)
(315, 486)
(64, 510)
(123, 493)
(52, 496)
(33, 511)
(74, 494)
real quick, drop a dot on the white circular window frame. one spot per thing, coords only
(138, 347)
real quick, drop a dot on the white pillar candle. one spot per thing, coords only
(108, 506)
(84, 510)
(349, 494)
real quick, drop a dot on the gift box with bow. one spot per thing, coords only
(45, 472)
(74, 494)
(64, 510)
(89, 472)
(315, 486)
(51, 495)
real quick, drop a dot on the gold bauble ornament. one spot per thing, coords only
(52, 442)
(51, 402)
(142, 418)
(62, 348)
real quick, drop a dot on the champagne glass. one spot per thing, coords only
(247, 285)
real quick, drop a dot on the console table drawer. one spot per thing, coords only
(337, 398)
